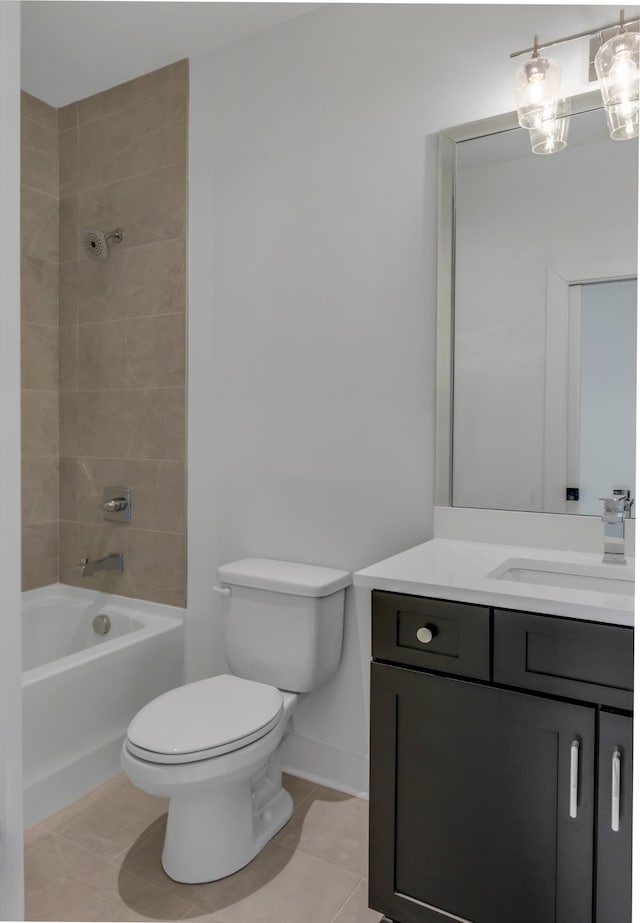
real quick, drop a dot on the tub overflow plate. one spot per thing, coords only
(102, 624)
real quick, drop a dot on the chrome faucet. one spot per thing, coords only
(111, 562)
(616, 510)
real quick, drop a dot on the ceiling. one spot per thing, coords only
(74, 48)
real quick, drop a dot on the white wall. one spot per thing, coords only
(313, 153)
(11, 842)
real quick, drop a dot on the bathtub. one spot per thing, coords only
(81, 689)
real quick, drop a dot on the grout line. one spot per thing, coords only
(126, 179)
(180, 90)
(83, 190)
(101, 523)
(123, 320)
(28, 118)
(180, 387)
(47, 195)
(111, 458)
(345, 902)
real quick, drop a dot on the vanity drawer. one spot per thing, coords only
(564, 657)
(457, 639)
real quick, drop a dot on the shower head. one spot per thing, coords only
(96, 242)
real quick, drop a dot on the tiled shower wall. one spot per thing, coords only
(39, 350)
(122, 163)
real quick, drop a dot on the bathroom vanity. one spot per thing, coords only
(501, 723)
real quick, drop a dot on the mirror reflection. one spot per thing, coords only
(544, 314)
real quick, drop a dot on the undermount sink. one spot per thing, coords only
(599, 578)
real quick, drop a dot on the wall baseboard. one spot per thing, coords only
(326, 765)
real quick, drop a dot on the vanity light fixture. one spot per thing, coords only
(617, 65)
(550, 136)
(536, 88)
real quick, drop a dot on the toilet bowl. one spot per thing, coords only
(215, 747)
(226, 798)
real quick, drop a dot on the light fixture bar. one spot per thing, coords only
(576, 35)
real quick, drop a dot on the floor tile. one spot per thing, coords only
(330, 826)
(277, 885)
(99, 859)
(356, 909)
(298, 788)
(299, 889)
(65, 882)
(34, 836)
(111, 821)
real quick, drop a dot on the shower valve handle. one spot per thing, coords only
(115, 505)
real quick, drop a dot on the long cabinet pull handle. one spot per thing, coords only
(616, 760)
(573, 779)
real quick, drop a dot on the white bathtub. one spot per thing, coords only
(81, 689)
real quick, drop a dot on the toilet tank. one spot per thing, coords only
(283, 621)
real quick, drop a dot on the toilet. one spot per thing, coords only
(215, 747)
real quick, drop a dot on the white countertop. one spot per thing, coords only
(458, 570)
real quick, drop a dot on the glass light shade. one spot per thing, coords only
(550, 136)
(617, 66)
(537, 87)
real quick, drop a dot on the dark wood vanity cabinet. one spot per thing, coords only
(491, 804)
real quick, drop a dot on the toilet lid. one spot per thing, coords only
(203, 719)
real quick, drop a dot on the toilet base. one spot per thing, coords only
(222, 810)
(214, 836)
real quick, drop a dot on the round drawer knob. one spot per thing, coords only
(425, 635)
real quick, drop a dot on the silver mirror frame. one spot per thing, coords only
(447, 158)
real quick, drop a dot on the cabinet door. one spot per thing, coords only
(613, 881)
(473, 817)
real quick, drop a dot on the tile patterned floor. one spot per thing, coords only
(99, 859)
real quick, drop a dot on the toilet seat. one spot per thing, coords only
(204, 719)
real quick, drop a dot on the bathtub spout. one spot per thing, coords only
(111, 562)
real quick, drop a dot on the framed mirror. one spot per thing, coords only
(537, 268)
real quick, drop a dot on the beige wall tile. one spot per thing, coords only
(141, 352)
(39, 357)
(154, 562)
(68, 293)
(39, 291)
(146, 137)
(131, 143)
(69, 229)
(142, 423)
(39, 157)
(69, 553)
(39, 423)
(134, 282)
(39, 225)
(38, 111)
(150, 207)
(39, 490)
(68, 489)
(68, 173)
(158, 491)
(165, 80)
(39, 555)
(68, 117)
(68, 377)
(68, 423)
